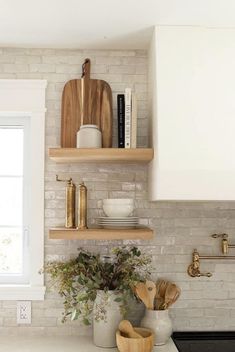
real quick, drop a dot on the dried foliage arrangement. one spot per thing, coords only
(78, 280)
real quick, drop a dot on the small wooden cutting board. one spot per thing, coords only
(86, 101)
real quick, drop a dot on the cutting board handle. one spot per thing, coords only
(86, 67)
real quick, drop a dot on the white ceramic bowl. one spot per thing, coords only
(118, 201)
(121, 210)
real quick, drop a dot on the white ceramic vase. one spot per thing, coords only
(160, 323)
(106, 324)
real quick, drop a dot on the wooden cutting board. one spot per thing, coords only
(86, 101)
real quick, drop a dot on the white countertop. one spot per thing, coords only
(62, 344)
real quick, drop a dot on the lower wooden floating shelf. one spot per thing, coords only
(142, 233)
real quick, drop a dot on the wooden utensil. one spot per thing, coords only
(159, 299)
(171, 295)
(173, 300)
(143, 294)
(86, 101)
(161, 287)
(151, 287)
(127, 329)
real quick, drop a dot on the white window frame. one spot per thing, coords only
(26, 98)
(23, 123)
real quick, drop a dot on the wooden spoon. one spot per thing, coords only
(159, 299)
(171, 295)
(151, 287)
(173, 300)
(126, 328)
(143, 294)
(161, 290)
(163, 286)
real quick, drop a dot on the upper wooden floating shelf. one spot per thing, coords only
(105, 155)
(143, 233)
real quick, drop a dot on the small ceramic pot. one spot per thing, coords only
(160, 323)
(89, 136)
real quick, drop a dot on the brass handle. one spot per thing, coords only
(194, 271)
(206, 274)
(64, 180)
(220, 235)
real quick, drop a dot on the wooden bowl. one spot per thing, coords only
(126, 344)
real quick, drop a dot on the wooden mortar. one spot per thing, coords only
(145, 344)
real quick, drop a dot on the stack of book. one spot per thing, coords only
(127, 119)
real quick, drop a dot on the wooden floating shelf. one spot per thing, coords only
(105, 155)
(143, 233)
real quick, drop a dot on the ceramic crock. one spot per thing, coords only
(89, 136)
(160, 323)
(106, 318)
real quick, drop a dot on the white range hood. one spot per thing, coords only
(192, 84)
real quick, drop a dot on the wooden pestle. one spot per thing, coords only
(126, 328)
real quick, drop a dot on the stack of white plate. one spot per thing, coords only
(118, 213)
(118, 222)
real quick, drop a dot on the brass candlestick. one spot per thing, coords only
(70, 202)
(82, 207)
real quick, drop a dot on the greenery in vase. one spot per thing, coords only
(78, 280)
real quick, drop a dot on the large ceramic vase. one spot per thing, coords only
(160, 323)
(106, 318)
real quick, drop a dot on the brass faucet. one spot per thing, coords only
(194, 267)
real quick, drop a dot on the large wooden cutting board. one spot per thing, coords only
(86, 101)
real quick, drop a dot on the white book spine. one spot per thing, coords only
(127, 117)
(133, 121)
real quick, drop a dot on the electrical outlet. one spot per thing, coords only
(24, 312)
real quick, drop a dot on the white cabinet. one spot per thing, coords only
(192, 85)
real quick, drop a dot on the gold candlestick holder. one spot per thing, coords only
(82, 207)
(70, 195)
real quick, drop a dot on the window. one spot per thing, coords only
(22, 115)
(14, 200)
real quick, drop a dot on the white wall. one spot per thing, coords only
(194, 138)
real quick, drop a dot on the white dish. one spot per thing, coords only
(119, 210)
(118, 221)
(118, 201)
(121, 227)
(118, 218)
(133, 223)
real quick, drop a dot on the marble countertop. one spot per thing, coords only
(61, 344)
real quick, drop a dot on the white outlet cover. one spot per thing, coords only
(24, 312)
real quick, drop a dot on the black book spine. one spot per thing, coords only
(121, 120)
